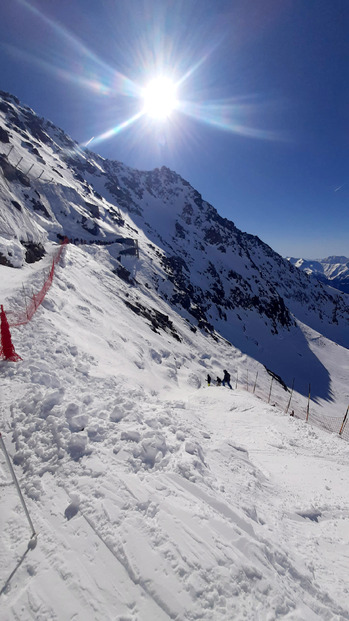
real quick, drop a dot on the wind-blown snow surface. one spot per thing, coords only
(154, 496)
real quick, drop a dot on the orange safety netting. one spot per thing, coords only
(334, 424)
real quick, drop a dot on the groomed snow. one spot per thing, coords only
(154, 496)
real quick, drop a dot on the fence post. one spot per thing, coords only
(29, 169)
(255, 383)
(19, 161)
(308, 405)
(236, 383)
(271, 383)
(247, 381)
(344, 421)
(289, 401)
(25, 301)
(40, 174)
(10, 150)
(13, 474)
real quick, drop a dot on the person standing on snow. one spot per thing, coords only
(208, 379)
(226, 379)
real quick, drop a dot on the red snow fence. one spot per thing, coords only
(13, 319)
(7, 349)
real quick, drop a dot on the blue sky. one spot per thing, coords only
(262, 129)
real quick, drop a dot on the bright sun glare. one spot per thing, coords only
(159, 98)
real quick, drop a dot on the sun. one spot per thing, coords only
(159, 98)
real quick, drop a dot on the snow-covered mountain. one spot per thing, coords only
(222, 281)
(332, 271)
(154, 496)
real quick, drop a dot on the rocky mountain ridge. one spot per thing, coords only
(161, 237)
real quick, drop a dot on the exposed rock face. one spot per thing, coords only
(4, 135)
(34, 251)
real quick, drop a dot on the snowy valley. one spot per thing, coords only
(153, 495)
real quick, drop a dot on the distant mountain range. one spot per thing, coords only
(333, 271)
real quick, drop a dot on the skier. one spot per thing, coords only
(218, 381)
(208, 379)
(226, 379)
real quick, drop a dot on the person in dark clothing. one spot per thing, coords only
(208, 379)
(226, 379)
(218, 381)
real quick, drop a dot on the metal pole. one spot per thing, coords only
(344, 421)
(289, 401)
(10, 151)
(29, 169)
(25, 300)
(308, 405)
(19, 161)
(17, 486)
(247, 381)
(255, 383)
(237, 373)
(271, 383)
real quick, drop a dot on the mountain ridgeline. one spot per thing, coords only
(163, 239)
(333, 271)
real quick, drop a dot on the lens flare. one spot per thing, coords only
(109, 80)
(159, 99)
(227, 115)
(118, 128)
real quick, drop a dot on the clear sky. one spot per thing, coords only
(261, 128)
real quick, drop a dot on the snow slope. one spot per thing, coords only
(154, 496)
